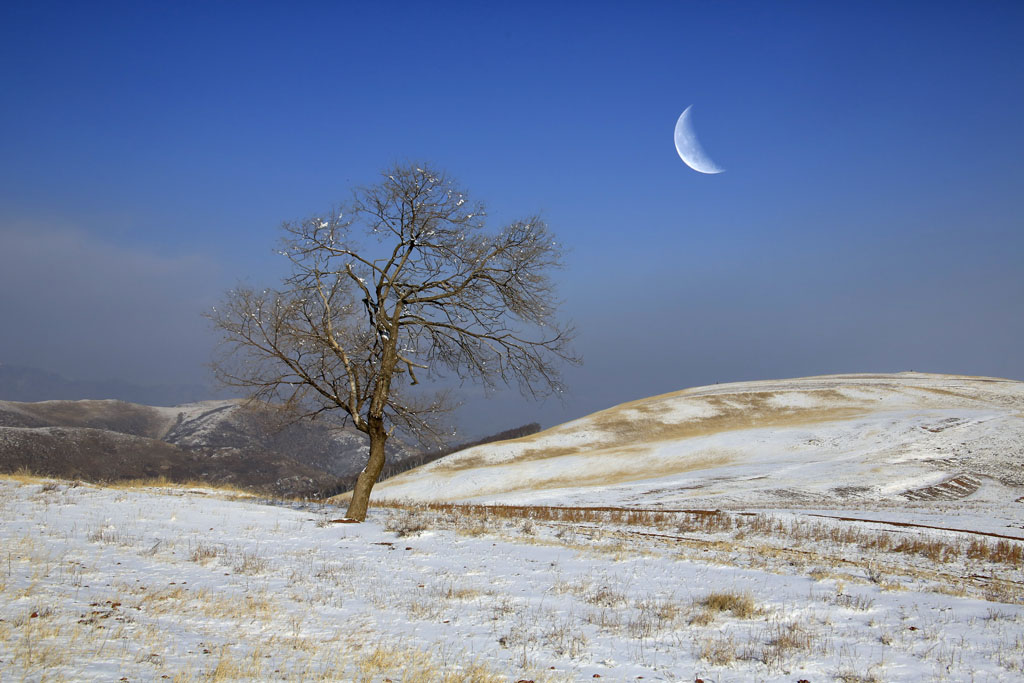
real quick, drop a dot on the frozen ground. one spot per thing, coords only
(157, 584)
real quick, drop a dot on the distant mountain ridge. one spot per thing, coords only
(24, 384)
(225, 441)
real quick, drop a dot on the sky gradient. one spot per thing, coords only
(869, 217)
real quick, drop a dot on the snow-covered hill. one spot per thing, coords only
(812, 441)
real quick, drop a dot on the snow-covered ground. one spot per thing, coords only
(844, 440)
(848, 528)
(156, 584)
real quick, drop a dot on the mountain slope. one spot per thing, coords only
(109, 415)
(905, 436)
(217, 441)
(104, 456)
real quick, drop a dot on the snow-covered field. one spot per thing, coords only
(158, 584)
(853, 528)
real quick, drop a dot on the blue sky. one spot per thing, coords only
(869, 218)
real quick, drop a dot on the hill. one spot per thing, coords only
(839, 439)
(222, 442)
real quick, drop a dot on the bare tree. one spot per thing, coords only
(400, 286)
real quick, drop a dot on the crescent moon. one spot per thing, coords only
(689, 148)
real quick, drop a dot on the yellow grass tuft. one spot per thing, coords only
(740, 604)
(193, 485)
(24, 475)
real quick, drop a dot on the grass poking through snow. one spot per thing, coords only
(152, 583)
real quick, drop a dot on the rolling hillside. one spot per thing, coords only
(840, 439)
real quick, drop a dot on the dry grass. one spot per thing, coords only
(739, 605)
(795, 533)
(250, 563)
(694, 519)
(848, 676)
(718, 649)
(1000, 552)
(594, 593)
(108, 535)
(23, 475)
(230, 668)
(340, 661)
(193, 486)
(565, 637)
(785, 641)
(203, 553)
(407, 522)
(858, 603)
(412, 665)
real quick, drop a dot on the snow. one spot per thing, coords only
(850, 438)
(150, 583)
(793, 495)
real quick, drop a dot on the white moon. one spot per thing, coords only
(689, 149)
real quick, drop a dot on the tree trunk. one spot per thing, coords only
(368, 477)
